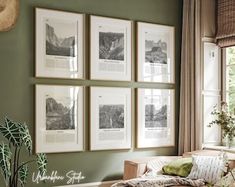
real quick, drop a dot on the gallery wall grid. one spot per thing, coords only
(54, 93)
(99, 60)
(84, 21)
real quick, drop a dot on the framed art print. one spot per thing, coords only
(59, 118)
(59, 44)
(156, 116)
(110, 49)
(110, 118)
(156, 46)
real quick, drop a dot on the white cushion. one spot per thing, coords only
(209, 168)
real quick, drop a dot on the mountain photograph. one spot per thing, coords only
(58, 116)
(111, 46)
(111, 116)
(155, 52)
(154, 117)
(59, 46)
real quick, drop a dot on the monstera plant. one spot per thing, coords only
(14, 170)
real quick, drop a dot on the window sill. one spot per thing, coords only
(219, 148)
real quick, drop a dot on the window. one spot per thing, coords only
(229, 79)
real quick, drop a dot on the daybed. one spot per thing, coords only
(137, 167)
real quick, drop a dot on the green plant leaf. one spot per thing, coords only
(26, 137)
(11, 131)
(23, 174)
(42, 163)
(5, 157)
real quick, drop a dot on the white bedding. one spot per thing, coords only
(159, 181)
(154, 177)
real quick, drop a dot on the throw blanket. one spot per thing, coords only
(159, 181)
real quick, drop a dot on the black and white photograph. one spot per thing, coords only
(60, 38)
(60, 114)
(111, 116)
(111, 46)
(155, 117)
(155, 53)
(59, 44)
(59, 118)
(155, 49)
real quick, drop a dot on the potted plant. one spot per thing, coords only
(225, 120)
(14, 170)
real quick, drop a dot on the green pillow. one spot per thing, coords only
(180, 167)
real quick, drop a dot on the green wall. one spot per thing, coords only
(17, 79)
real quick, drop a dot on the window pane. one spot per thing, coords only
(230, 55)
(211, 134)
(211, 67)
(230, 83)
(230, 78)
(231, 101)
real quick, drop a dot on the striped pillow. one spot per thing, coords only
(209, 168)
